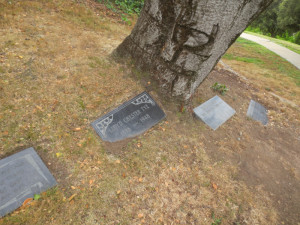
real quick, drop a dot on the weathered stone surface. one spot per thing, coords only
(186, 38)
(130, 119)
(22, 175)
(214, 112)
(257, 112)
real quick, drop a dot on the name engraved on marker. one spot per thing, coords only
(132, 116)
(130, 119)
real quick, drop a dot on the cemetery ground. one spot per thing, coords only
(56, 77)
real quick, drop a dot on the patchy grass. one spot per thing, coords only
(242, 59)
(292, 46)
(58, 77)
(266, 70)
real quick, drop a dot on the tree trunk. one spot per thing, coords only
(180, 41)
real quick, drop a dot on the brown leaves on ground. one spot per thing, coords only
(164, 176)
(27, 201)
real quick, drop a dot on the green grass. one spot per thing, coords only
(250, 52)
(292, 46)
(243, 59)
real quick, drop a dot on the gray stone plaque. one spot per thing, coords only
(257, 112)
(214, 112)
(22, 175)
(130, 119)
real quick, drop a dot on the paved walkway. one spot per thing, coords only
(285, 53)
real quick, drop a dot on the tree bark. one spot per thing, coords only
(180, 41)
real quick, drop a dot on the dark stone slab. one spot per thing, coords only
(130, 119)
(214, 112)
(257, 112)
(22, 175)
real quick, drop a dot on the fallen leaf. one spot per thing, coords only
(72, 196)
(58, 154)
(77, 129)
(118, 192)
(27, 201)
(73, 187)
(140, 215)
(140, 179)
(91, 182)
(118, 161)
(214, 186)
(39, 107)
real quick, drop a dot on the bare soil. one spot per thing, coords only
(57, 76)
(267, 156)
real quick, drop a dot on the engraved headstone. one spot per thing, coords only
(22, 175)
(214, 112)
(130, 119)
(257, 112)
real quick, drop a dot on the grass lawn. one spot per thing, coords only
(292, 46)
(57, 76)
(271, 71)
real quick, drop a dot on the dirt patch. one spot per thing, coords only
(57, 77)
(267, 156)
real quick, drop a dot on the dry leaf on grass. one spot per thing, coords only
(72, 196)
(214, 186)
(27, 201)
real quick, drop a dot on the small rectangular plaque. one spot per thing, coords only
(257, 112)
(214, 112)
(22, 175)
(130, 119)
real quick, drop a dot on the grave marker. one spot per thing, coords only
(257, 112)
(22, 175)
(130, 119)
(214, 112)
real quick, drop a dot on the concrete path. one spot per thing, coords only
(285, 53)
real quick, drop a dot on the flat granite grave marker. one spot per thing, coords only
(22, 175)
(130, 119)
(257, 112)
(214, 112)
